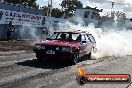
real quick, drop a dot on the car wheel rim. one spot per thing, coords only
(75, 58)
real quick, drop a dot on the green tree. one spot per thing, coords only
(33, 4)
(44, 9)
(29, 3)
(13, 1)
(119, 18)
(56, 12)
(115, 19)
(69, 6)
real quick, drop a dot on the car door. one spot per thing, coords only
(92, 40)
(89, 44)
(83, 45)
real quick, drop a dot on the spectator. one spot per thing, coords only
(10, 29)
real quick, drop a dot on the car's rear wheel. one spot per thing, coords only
(75, 58)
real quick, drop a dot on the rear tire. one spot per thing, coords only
(75, 58)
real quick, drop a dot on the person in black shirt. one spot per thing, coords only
(10, 29)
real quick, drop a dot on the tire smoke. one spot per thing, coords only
(112, 41)
(27, 32)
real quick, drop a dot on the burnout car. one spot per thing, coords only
(65, 46)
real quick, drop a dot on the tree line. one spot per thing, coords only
(28, 3)
(67, 9)
(67, 6)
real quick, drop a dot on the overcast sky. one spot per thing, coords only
(120, 5)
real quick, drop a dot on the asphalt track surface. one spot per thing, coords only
(22, 70)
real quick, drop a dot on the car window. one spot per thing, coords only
(63, 36)
(83, 38)
(78, 39)
(74, 37)
(69, 37)
(91, 38)
(54, 36)
(87, 39)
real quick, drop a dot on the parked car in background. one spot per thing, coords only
(65, 46)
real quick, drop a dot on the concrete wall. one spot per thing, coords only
(3, 32)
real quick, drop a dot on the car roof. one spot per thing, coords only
(74, 32)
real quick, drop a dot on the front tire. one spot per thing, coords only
(39, 57)
(75, 58)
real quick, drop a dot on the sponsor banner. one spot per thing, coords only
(83, 77)
(21, 18)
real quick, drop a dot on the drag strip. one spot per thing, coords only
(26, 72)
(20, 70)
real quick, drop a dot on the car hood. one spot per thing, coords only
(58, 43)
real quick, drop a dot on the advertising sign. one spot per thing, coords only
(21, 18)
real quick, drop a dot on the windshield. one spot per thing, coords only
(64, 36)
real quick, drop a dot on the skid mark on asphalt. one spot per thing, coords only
(7, 63)
(17, 77)
(59, 79)
(38, 70)
(7, 59)
(68, 85)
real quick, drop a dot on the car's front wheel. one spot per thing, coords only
(39, 57)
(75, 58)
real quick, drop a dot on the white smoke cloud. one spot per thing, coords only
(114, 42)
(119, 5)
(106, 5)
(30, 33)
